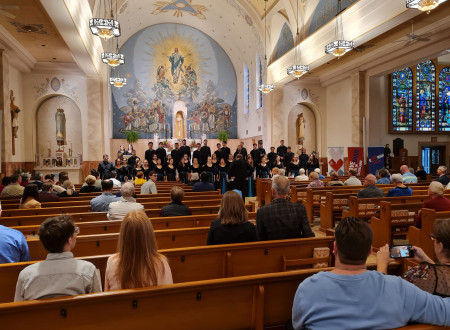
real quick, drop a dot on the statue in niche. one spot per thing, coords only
(60, 119)
(300, 124)
(14, 115)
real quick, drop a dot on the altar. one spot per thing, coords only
(75, 172)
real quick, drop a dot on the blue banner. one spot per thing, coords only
(376, 159)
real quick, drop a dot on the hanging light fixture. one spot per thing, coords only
(118, 81)
(424, 5)
(339, 46)
(297, 70)
(113, 59)
(265, 88)
(105, 28)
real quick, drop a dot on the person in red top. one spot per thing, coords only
(437, 202)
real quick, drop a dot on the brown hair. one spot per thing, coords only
(177, 194)
(313, 175)
(353, 239)
(90, 180)
(232, 209)
(352, 171)
(441, 230)
(137, 252)
(140, 174)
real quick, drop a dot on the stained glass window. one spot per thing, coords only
(246, 90)
(444, 100)
(402, 100)
(425, 96)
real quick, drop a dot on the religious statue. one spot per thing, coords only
(60, 119)
(300, 124)
(176, 59)
(14, 115)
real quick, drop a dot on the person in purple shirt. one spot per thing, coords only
(13, 246)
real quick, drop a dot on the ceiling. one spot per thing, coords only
(258, 5)
(28, 23)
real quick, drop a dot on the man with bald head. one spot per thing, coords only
(408, 177)
(370, 190)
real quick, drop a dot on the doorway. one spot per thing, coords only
(432, 157)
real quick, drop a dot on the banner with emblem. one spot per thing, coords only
(376, 159)
(356, 159)
(336, 160)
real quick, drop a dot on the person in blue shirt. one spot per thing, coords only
(101, 202)
(351, 297)
(383, 176)
(407, 173)
(13, 246)
(400, 189)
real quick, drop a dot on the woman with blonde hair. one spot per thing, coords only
(314, 177)
(233, 225)
(69, 190)
(137, 263)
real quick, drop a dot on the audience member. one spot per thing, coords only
(334, 180)
(30, 198)
(56, 187)
(301, 176)
(443, 177)
(176, 207)
(13, 246)
(118, 210)
(370, 190)
(383, 176)
(408, 177)
(25, 179)
(60, 274)
(149, 187)
(37, 180)
(321, 177)
(351, 297)
(139, 180)
(194, 179)
(204, 184)
(437, 201)
(101, 202)
(352, 179)
(105, 167)
(137, 263)
(400, 189)
(282, 219)
(315, 182)
(69, 190)
(47, 194)
(429, 276)
(90, 185)
(232, 225)
(14, 188)
(5, 182)
(420, 173)
(113, 178)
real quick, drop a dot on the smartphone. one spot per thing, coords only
(401, 251)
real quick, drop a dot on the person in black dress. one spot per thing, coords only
(210, 169)
(312, 163)
(128, 171)
(195, 167)
(171, 171)
(241, 151)
(196, 153)
(277, 163)
(288, 157)
(222, 176)
(146, 169)
(185, 149)
(120, 170)
(138, 168)
(263, 169)
(251, 177)
(184, 171)
(233, 225)
(154, 162)
(159, 170)
(294, 167)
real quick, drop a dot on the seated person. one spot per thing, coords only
(14, 188)
(139, 180)
(370, 190)
(334, 180)
(351, 297)
(400, 189)
(30, 198)
(420, 173)
(69, 189)
(176, 207)
(233, 225)
(13, 246)
(25, 179)
(59, 274)
(443, 177)
(437, 202)
(301, 176)
(127, 203)
(321, 177)
(5, 182)
(101, 202)
(383, 176)
(90, 185)
(314, 177)
(98, 182)
(194, 179)
(204, 184)
(429, 276)
(137, 263)
(352, 179)
(47, 194)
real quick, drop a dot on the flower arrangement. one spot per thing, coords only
(166, 144)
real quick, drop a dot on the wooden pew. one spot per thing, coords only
(331, 208)
(421, 237)
(189, 264)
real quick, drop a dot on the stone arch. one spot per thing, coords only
(312, 132)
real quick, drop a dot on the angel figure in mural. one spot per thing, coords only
(300, 124)
(176, 59)
(14, 114)
(60, 119)
(227, 115)
(162, 85)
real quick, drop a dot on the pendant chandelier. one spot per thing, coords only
(105, 28)
(265, 88)
(424, 5)
(118, 81)
(339, 46)
(297, 70)
(113, 59)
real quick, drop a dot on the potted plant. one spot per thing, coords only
(222, 136)
(132, 136)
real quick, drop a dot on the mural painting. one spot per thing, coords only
(175, 74)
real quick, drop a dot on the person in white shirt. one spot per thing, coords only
(118, 210)
(302, 176)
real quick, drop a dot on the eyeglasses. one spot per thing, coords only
(433, 238)
(77, 230)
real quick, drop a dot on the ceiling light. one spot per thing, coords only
(265, 88)
(424, 5)
(104, 28)
(339, 46)
(297, 70)
(113, 59)
(118, 82)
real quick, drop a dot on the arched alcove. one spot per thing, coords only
(310, 141)
(46, 124)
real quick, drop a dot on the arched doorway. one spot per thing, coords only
(302, 126)
(179, 126)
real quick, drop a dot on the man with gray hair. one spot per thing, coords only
(437, 202)
(408, 177)
(118, 210)
(370, 190)
(443, 177)
(301, 176)
(282, 219)
(400, 189)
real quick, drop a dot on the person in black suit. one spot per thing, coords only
(176, 154)
(196, 153)
(241, 151)
(225, 150)
(218, 153)
(162, 154)
(282, 151)
(443, 178)
(303, 158)
(205, 152)
(261, 150)
(255, 155)
(105, 167)
(132, 161)
(185, 150)
(238, 172)
(288, 157)
(282, 219)
(272, 155)
(150, 152)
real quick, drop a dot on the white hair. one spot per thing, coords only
(127, 189)
(302, 171)
(436, 188)
(443, 168)
(283, 172)
(396, 178)
(280, 184)
(317, 170)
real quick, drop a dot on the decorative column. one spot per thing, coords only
(358, 107)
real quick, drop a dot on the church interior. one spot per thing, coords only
(84, 78)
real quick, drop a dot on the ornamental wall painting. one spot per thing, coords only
(175, 72)
(425, 96)
(402, 100)
(444, 100)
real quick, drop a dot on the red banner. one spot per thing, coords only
(356, 160)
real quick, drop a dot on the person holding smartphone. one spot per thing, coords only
(430, 276)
